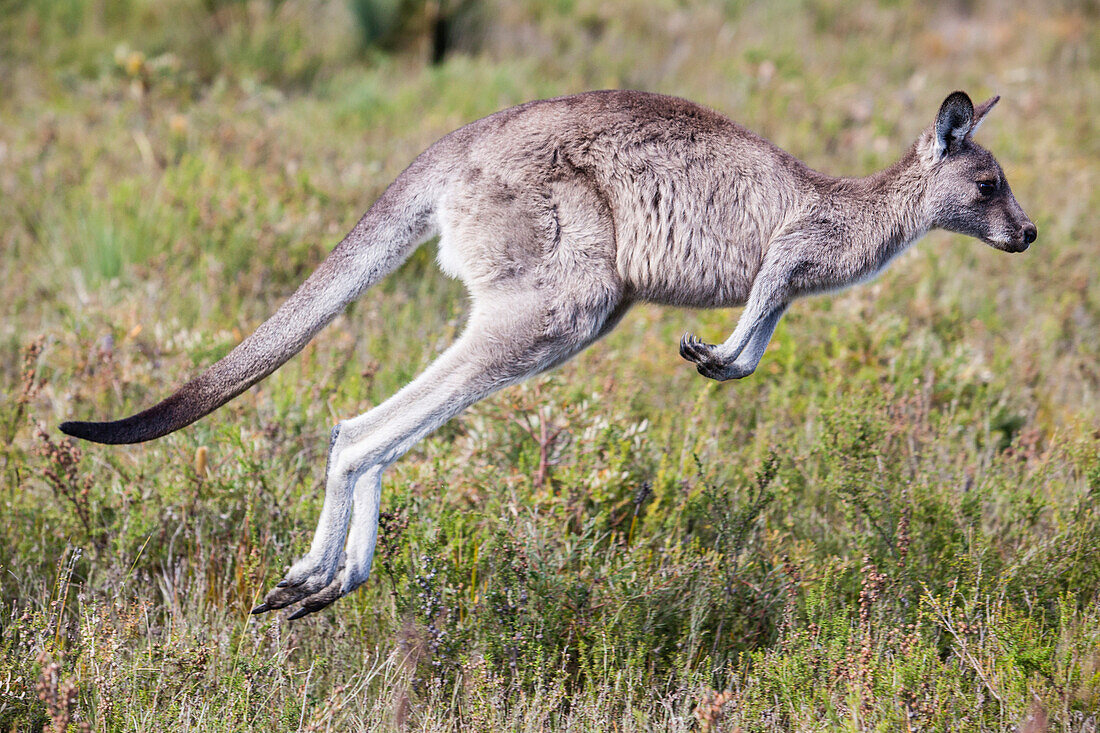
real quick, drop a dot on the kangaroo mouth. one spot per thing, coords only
(1012, 246)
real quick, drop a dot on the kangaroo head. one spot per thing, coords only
(967, 191)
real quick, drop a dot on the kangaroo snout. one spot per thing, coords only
(1024, 237)
(1030, 233)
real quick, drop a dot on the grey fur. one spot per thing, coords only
(560, 214)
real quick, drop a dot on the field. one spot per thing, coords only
(893, 525)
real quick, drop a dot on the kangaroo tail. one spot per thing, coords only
(386, 235)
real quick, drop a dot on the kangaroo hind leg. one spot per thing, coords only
(544, 286)
(514, 338)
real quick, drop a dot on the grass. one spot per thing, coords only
(893, 525)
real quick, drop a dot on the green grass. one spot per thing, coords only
(893, 525)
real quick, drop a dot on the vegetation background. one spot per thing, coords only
(893, 525)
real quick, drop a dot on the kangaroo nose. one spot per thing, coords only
(1030, 232)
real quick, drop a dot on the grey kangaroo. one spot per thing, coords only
(558, 215)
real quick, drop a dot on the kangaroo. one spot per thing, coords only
(560, 214)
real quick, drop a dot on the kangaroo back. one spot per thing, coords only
(401, 220)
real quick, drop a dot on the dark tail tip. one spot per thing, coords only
(183, 408)
(111, 433)
(76, 429)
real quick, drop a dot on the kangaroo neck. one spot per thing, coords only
(881, 213)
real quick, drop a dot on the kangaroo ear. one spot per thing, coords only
(953, 124)
(981, 111)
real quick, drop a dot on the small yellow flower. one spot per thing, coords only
(135, 62)
(200, 461)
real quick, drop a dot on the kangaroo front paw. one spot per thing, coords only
(694, 350)
(708, 362)
(703, 356)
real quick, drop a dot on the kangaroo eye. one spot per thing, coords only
(986, 188)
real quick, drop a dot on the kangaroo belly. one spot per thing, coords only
(689, 236)
(685, 255)
(694, 273)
